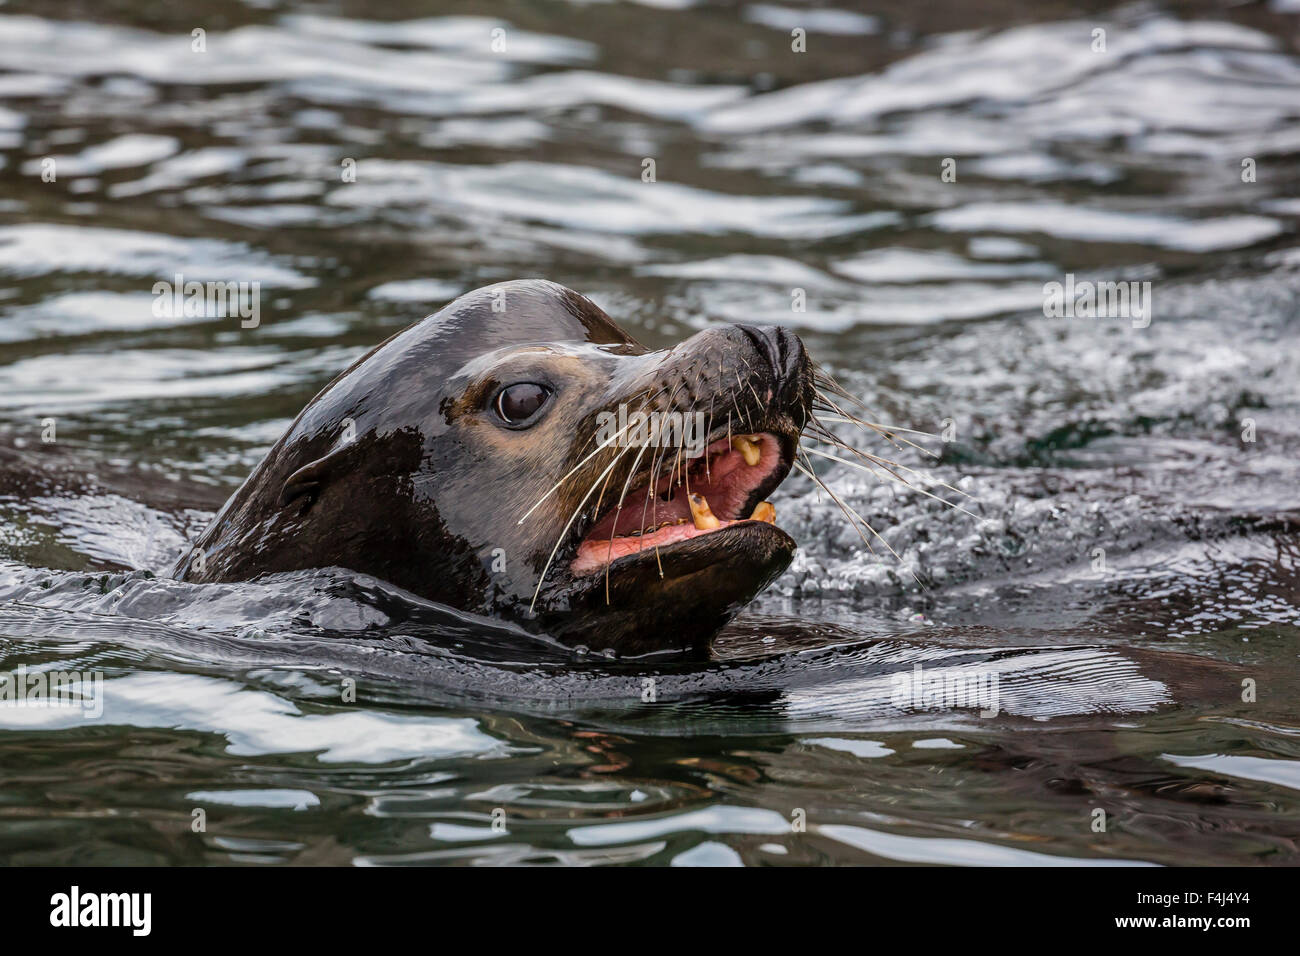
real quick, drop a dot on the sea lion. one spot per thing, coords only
(461, 460)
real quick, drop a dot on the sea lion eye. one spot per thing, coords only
(519, 402)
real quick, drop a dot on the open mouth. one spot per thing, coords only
(724, 487)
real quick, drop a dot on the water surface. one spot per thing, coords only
(1130, 559)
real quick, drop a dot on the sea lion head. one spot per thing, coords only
(518, 454)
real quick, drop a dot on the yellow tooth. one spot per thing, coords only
(704, 519)
(747, 445)
(764, 511)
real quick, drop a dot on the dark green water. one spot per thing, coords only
(1170, 446)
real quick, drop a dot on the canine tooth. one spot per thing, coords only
(747, 445)
(704, 519)
(764, 511)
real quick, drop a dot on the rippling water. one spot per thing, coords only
(1131, 554)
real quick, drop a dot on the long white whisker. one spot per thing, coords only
(888, 465)
(569, 523)
(618, 510)
(872, 472)
(881, 430)
(848, 509)
(848, 512)
(818, 481)
(605, 444)
(891, 428)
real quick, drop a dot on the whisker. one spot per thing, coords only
(882, 430)
(891, 428)
(828, 438)
(618, 510)
(825, 377)
(818, 481)
(604, 475)
(852, 464)
(849, 510)
(569, 523)
(605, 444)
(848, 513)
(650, 489)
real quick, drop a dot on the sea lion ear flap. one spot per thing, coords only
(305, 483)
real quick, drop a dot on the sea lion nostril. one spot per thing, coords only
(790, 353)
(767, 345)
(785, 356)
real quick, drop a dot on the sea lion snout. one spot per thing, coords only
(682, 535)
